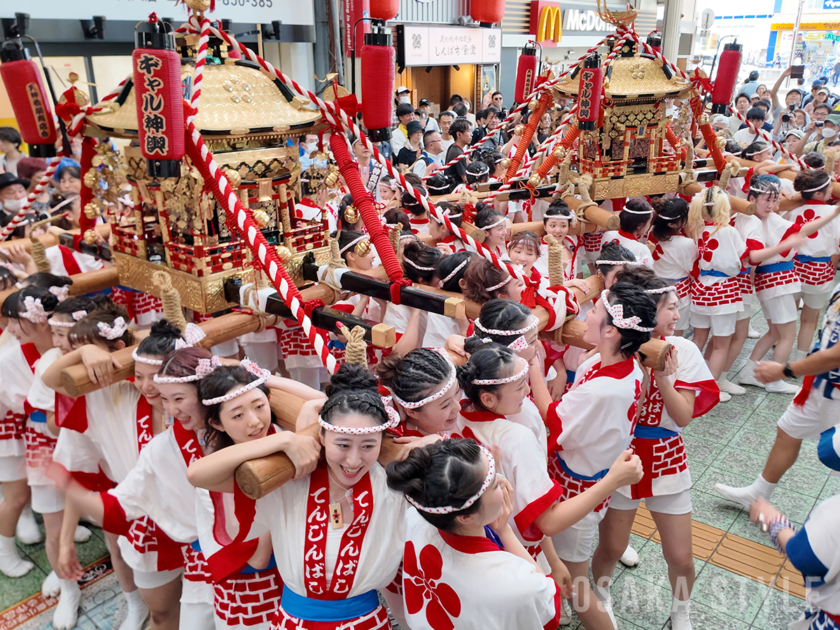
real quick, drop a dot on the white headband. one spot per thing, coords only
(500, 285)
(616, 311)
(629, 211)
(402, 236)
(616, 262)
(662, 216)
(507, 333)
(662, 290)
(430, 187)
(115, 331)
(479, 172)
(454, 271)
(138, 358)
(446, 387)
(491, 474)
(34, 310)
(261, 374)
(446, 213)
(416, 266)
(75, 316)
(204, 367)
(393, 421)
(192, 335)
(492, 225)
(507, 379)
(518, 344)
(814, 189)
(60, 292)
(58, 206)
(363, 237)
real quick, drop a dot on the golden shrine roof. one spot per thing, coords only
(637, 76)
(237, 99)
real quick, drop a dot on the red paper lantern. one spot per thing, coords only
(30, 101)
(727, 75)
(160, 108)
(526, 72)
(589, 92)
(377, 83)
(384, 9)
(487, 12)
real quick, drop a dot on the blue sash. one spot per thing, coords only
(310, 609)
(570, 376)
(598, 476)
(652, 433)
(816, 259)
(714, 273)
(272, 564)
(779, 266)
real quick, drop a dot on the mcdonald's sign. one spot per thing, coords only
(546, 22)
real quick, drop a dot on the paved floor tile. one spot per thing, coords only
(728, 594)
(777, 611)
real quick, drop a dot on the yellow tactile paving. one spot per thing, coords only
(733, 553)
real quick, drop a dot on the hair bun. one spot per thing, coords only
(350, 377)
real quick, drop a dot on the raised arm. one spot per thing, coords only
(794, 240)
(100, 365)
(774, 93)
(215, 472)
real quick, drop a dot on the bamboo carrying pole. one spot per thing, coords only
(258, 477)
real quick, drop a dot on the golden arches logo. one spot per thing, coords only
(550, 25)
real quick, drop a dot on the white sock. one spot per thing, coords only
(679, 605)
(136, 612)
(10, 561)
(763, 487)
(27, 529)
(798, 355)
(67, 611)
(603, 594)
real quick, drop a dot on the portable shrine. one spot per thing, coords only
(245, 119)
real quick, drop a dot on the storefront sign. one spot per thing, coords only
(811, 26)
(247, 11)
(354, 10)
(831, 5)
(551, 20)
(444, 46)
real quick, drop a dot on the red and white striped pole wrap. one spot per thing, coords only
(339, 120)
(242, 221)
(200, 62)
(36, 192)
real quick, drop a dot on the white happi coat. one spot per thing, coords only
(816, 276)
(12, 395)
(720, 251)
(468, 583)
(284, 512)
(666, 467)
(521, 461)
(751, 230)
(673, 261)
(776, 283)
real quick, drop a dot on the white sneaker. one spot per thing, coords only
(781, 387)
(82, 534)
(565, 614)
(724, 397)
(27, 529)
(753, 333)
(742, 496)
(747, 376)
(67, 611)
(729, 387)
(630, 558)
(51, 586)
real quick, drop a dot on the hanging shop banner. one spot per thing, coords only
(447, 46)
(243, 11)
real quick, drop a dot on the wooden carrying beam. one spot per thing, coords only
(76, 381)
(736, 203)
(538, 227)
(49, 239)
(257, 477)
(87, 282)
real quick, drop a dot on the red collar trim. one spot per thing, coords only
(415, 221)
(31, 354)
(468, 544)
(618, 370)
(627, 235)
(306, 201)
(449, 239)
(815, 202)
(481, 415)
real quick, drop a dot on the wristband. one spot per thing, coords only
(787, 371)
(778, 524)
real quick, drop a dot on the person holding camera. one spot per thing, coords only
(820, 132)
